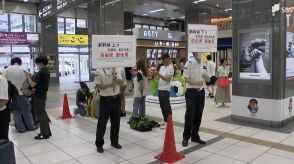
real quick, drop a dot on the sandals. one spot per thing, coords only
(41, 137)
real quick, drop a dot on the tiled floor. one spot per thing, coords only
(73, 141)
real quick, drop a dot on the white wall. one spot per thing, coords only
(225, 33)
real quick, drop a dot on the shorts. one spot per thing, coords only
(213, 80)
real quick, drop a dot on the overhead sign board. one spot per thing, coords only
(113, 51)
(65, 39)
(56, 6)
(19, 38)
(150, 34)
(202, 38)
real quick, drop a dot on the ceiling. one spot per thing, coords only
(173, 9)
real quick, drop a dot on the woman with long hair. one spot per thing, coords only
(140, 89)
(223, 93)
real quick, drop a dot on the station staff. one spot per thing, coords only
(165, 74)
(195, 99)
(109, 82)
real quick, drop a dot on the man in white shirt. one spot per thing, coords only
(23, 115)
(109, 82)
(211, 68)
(122, 73)
(165, 75)
(195, 99)
(4, 111)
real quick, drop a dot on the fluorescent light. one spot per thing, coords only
(172, 18)
(25, 0)
(228, 9)
(183, 17)
(154, 11)
(145, 14)
(198, 1)
(112, 2)
(217, 5)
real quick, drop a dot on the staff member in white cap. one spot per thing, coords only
(109, 82)
(195, 99)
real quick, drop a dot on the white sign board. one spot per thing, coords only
(113, 51)
(202, 38)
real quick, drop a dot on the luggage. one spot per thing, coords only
(140, 124)
(7, 155)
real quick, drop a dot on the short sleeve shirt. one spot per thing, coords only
(42, 79)
(3, 90)
(165, 71)
(193, 71)
(15, 74)
(123, 75)
(104, 77)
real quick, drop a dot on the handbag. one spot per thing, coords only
(224, 82)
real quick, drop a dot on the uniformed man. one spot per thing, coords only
(195, 99)
(109, 82)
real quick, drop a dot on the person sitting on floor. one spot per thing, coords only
(82, 97)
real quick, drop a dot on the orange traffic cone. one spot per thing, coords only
(65, 113)
(169, 153)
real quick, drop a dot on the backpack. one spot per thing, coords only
(140, 124)
(26, 89)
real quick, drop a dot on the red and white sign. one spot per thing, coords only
(113, 51)
(202, 38)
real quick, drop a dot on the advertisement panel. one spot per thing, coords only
(113, 51)
(255, 55)
(77, 40)
(19, 38)
(289, 55)
(202, 38)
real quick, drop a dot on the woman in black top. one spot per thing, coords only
(82, 97)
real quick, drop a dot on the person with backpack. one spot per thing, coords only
(40, 85)
(140, 91)
(82, 100)
(4, 109)
(22, 112)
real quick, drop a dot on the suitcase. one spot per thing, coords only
(7, 155)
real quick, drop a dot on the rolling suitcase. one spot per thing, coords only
(7, 155)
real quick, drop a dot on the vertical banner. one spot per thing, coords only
(202, 38)
(113, 51)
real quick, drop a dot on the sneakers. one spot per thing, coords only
(162, 125)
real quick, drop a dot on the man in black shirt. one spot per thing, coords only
(40, 84)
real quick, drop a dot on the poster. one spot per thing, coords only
(19, 38)
(113, 51)
(202, 38)
(289, 55)
(78, 40)
(255, 55)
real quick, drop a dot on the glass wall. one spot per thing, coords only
(70, 26)
(60, 22)
(18, 23)
(4, 22)
(30, 23)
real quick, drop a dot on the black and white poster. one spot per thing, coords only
(290, 55)
(255, 55)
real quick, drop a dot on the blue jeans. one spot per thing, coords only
(81, 110)
(23, 116)
(139, 106)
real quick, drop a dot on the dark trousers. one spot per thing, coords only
(166, 110)
(4, 123)
(39, 105)
(195, 100)
(110, 107)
